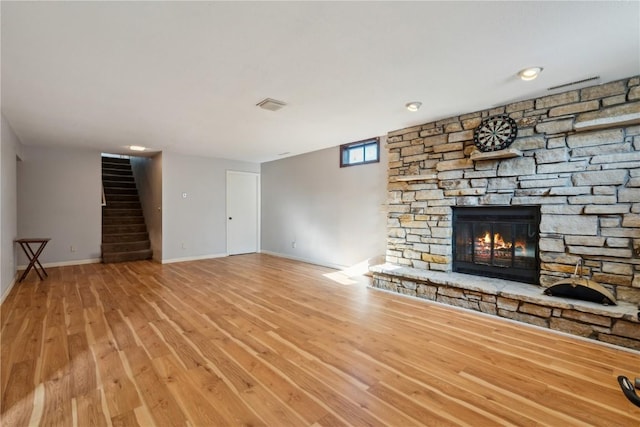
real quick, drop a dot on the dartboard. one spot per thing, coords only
(495, 133)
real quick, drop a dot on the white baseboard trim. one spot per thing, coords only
(66, 263)
(11, 285)
(308, 261)
(193, 258)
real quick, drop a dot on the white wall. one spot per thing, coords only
(195, 227)
(10, 150)
(59, 196)
(335, 215)
(148, 174)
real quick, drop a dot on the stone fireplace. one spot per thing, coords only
(575, 161)
(499, 242)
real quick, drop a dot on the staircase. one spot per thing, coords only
(124, 233)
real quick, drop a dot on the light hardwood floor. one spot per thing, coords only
(260, 340)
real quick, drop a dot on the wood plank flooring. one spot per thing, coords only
(260, 340)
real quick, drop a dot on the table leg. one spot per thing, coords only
(36, 255)
(29, 254)
(33, 260)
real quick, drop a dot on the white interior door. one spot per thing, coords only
(243, 212)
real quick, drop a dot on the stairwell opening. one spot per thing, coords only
(124, 232)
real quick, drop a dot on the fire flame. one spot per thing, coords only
(500, 244)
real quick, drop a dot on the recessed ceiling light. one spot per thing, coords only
(529, 73)
(413, 106)
(137, 148)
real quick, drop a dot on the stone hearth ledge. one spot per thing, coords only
(507, 289)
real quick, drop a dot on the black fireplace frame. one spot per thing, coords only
(524, 214)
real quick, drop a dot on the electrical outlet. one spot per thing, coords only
(293, 244)
(72, 248)
(184, 246)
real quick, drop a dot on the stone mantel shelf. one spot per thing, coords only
(407, 178)
(508, 289)
(507, 153)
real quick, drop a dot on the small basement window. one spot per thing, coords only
(359, 153)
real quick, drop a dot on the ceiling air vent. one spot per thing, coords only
(271, 104)
(577, 82)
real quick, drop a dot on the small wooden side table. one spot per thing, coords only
(33, 255)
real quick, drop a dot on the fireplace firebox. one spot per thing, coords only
(499, 242)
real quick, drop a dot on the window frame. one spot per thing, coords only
(346, 148)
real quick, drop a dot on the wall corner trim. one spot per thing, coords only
(8, 291)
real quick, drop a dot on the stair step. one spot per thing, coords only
(118, 184)
(116, 163)
(112, 171)
(120, 191)
(123, 198)
(122, 204)
(124, 237)
(111, 212)
(115, 167)
(117, 177)
(122, 220)
(115, 159)
(126, 256)
(125, 246)
(108, 183)
(120, 229)
(116, 171)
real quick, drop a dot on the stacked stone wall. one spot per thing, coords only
(578, 158)
(611, 326)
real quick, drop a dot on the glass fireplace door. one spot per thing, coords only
(497, 242)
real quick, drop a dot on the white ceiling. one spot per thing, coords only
(186, 77)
